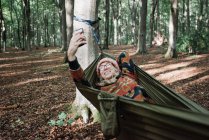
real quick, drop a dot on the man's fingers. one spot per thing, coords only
(79, 37)
(81, 43)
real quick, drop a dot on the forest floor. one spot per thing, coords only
(36, 87)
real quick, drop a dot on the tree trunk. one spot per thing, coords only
(115, 21)
(207, 14)
(26, 7)
(86, 9)
(37, 26)
(154, 4)
(141, 47)
(133, 9)
(18, 28)
(200, 17)
(12, 21)
(183, 21)
(157, 18)
(64, 25)
(1, 23)
(107, 6)
(46, 41)
(28, 14)
(188, 16)
(4, 37)
(53, 28)
(69, 6)
(171, 52)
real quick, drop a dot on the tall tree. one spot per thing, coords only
(171, 52)
(63, 24)
(188, 15)
(27, 28)
(1, 25)
(69, 6)
(183, 14)
(141, 47)
(154, 5)
(107, 11)
(133, 9)
(115, 8)
(85, 9)
(19, 44)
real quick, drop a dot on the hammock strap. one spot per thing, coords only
(91, 24)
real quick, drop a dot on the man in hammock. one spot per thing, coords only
(115, 77)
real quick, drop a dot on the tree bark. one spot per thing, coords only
(18, 28)
(141, 47)
(69, 6)
(26, 7)
(13, 42)
(157, 21)
(46, 39)
(133, 9)
(183, 21)
(171, 52)
(54, 26)
(107, 6)
(115, 21)
(85, 9)
(64, 31)
(188, 16)
(1, 23)
(37, 26)
(154, 5)
(200, 17)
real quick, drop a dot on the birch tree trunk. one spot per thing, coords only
(85, 9)
(171, 52)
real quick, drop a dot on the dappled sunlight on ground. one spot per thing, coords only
(12, 73)
(175, 75)
(36, 86)
(29, 81)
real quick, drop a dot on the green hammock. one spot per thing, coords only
(172, 117)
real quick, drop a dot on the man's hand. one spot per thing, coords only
(76, 41)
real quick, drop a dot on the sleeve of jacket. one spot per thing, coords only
(76, 70)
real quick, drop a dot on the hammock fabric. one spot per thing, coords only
(172, 117)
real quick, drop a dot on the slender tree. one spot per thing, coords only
(154, 5)
(171, 52)
(64, 31)
(107, 11)
(141, 47)
(188, 16)
(69, 6)
(1, 25)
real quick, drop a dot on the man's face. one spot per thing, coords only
(107, 70)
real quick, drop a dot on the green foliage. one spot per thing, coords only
(183, 43)
(196, 41)
(62, 120)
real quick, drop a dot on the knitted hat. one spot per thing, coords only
(113, 62)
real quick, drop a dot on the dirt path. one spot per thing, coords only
(35, 87)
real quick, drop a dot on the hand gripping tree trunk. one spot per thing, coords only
(85, 9)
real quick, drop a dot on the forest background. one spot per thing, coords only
(34, 41)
